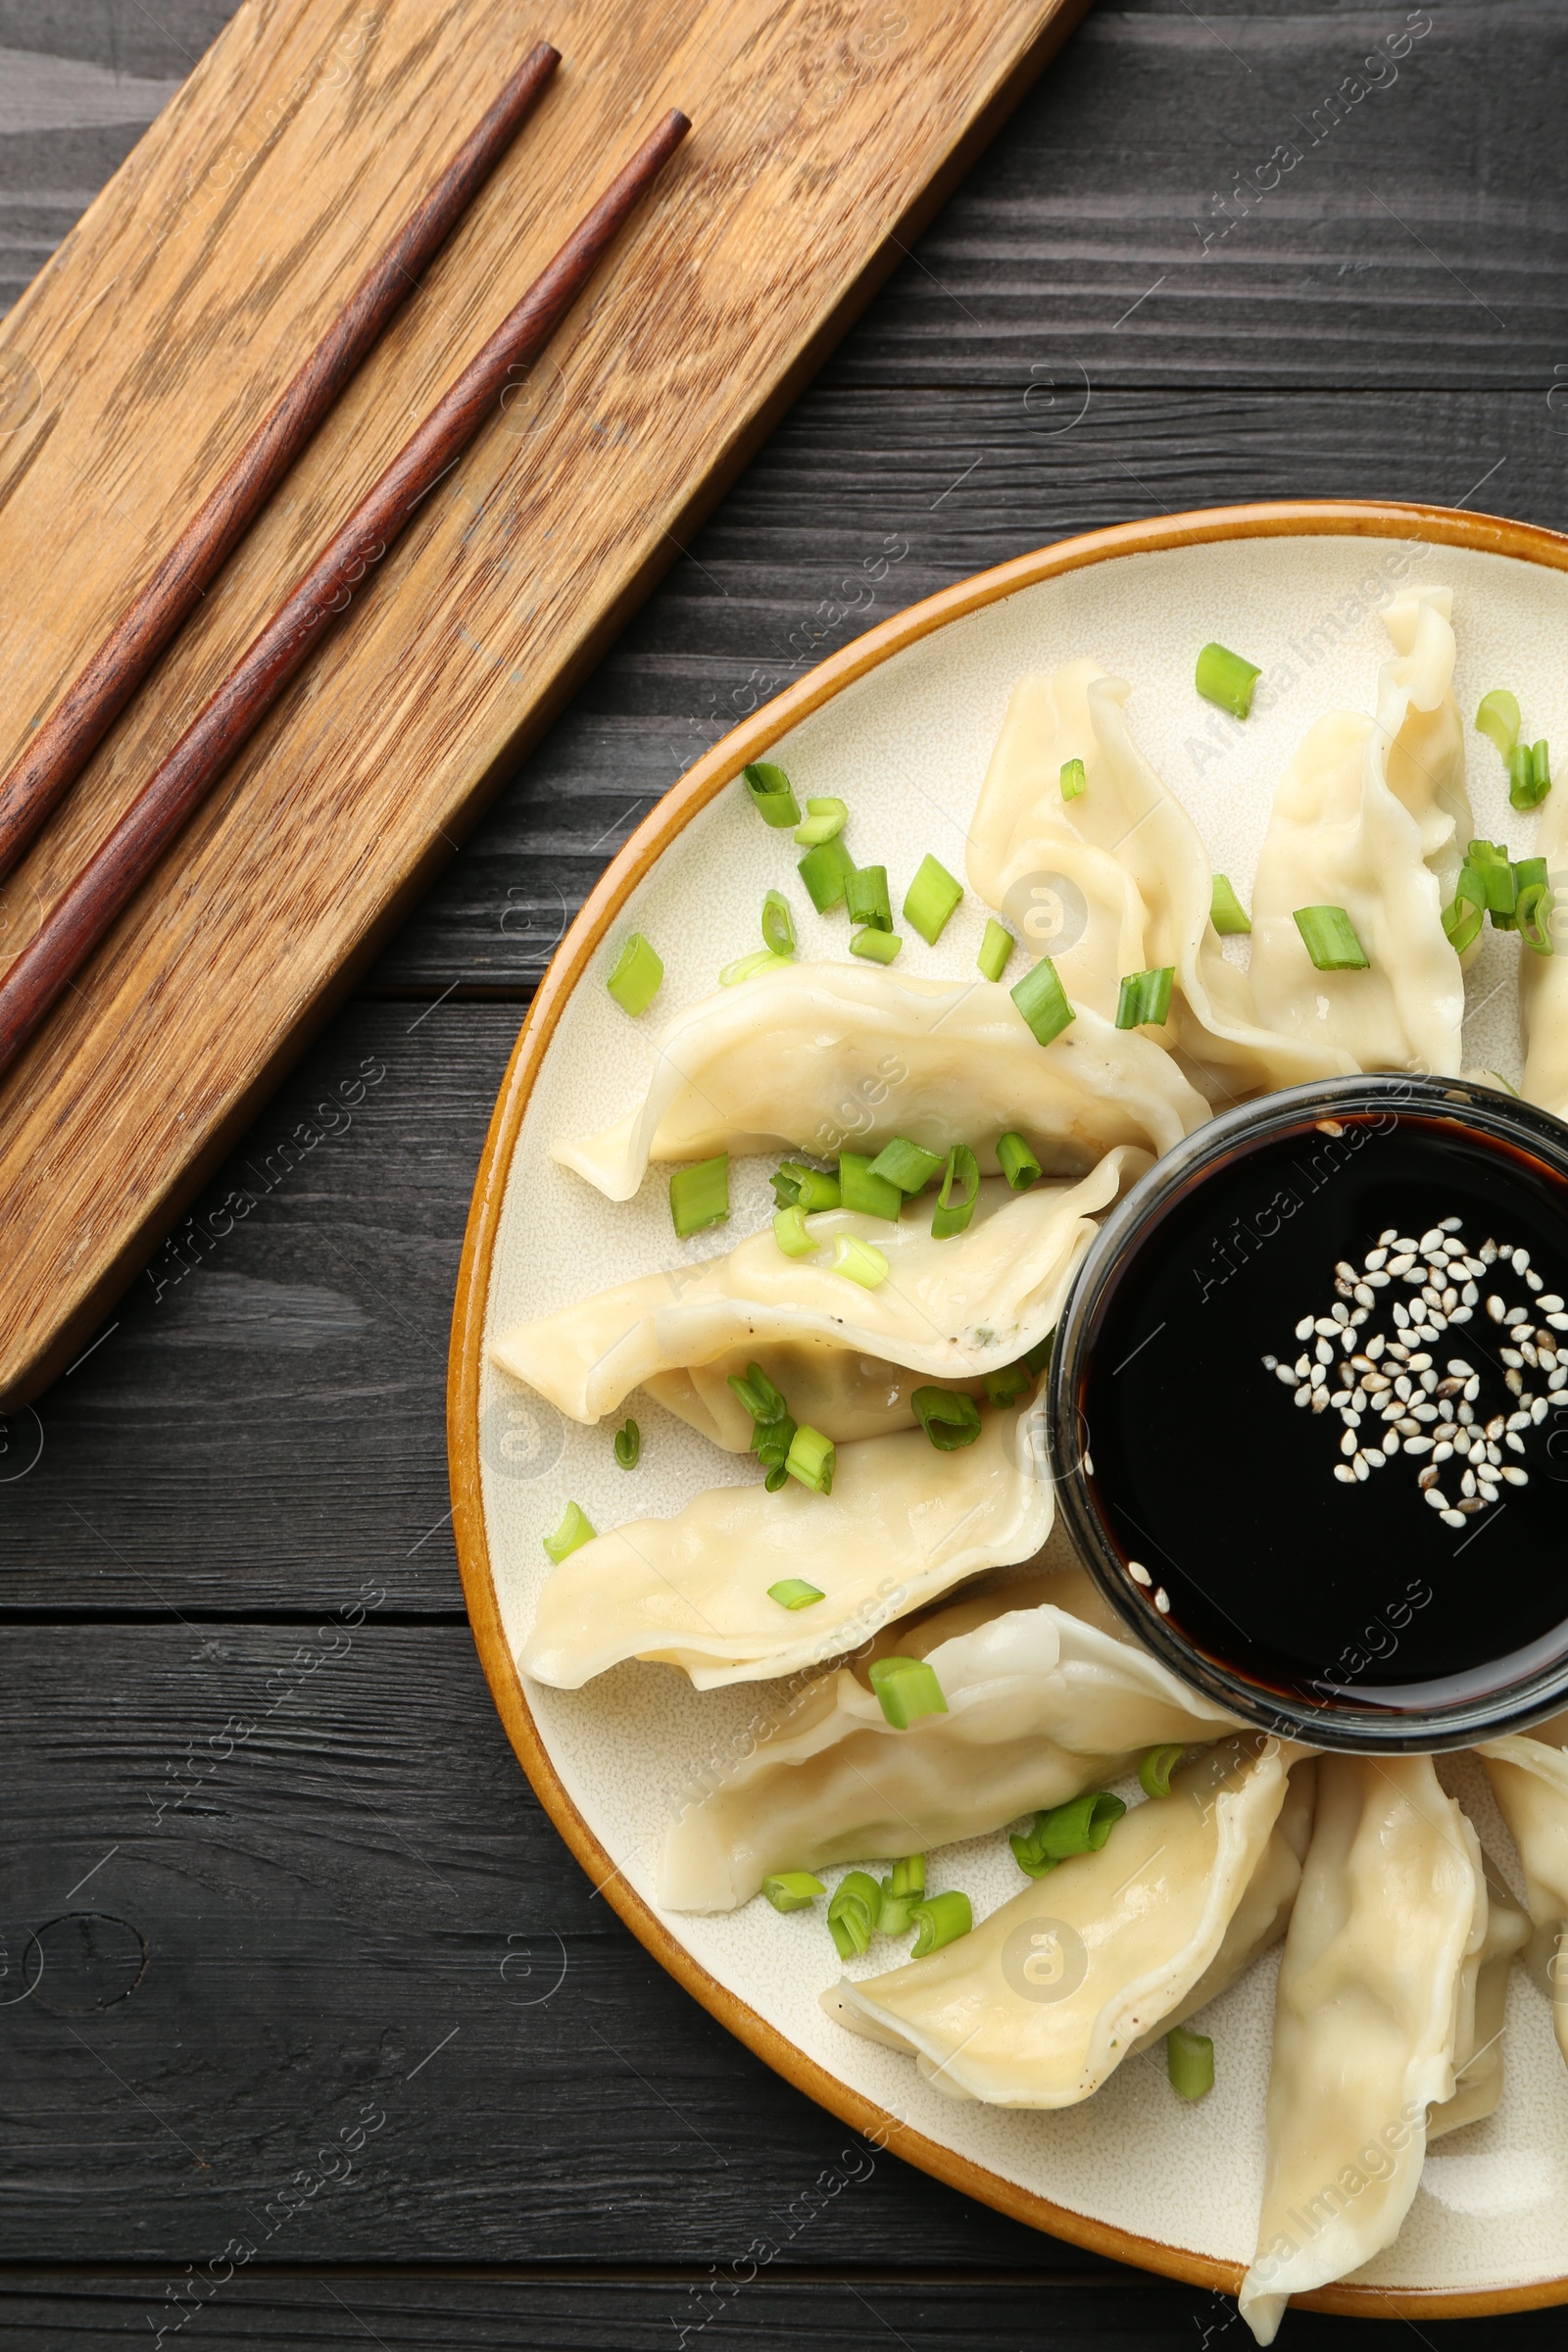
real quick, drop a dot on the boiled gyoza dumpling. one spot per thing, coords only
(1483, 2004)
(1046, 1997)
(1358, 825)
(903, 1524)
(821, 1054)
(1530, 1782)
(1122, 880)
(946, 1308)
(1544, 979)
(1040, 1705)
(1392, 1901)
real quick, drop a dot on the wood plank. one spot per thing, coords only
(264, 1417)
(1393, 252)
(345, 2308)
(933, 487)
(346, 1893)
(186, 291)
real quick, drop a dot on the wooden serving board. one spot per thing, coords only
(132, 371)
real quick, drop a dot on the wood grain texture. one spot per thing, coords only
(345, 571)
(60, 747)
(377, 756)
(246, 1471)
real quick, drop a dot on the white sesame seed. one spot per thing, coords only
(1377, 1282)
(1472, 1388)
(1443, 1452)
(1495, 1309)
(1418, 1445)
(1365, 1294)
(1517, 1314)
(1436, 1499)
(1405, 1242)
(1490, 1453)
(1532, 1358)
(1488, 1251)
(1304, 1395)
(1432, 1239)
(1305, 1327)
(1392, 1441)
(1375, 1258)
(1429, 1380)
(1347, 1442)
(1403, 1262)
(1372, 1457)
(1517, 1444)
(1401, 1316)
(1532, 1279)
(1162, 1601)
(1428, 1478)
(1511, 1355)
(1560, 1378)
(1375, 1347)
(1514, 1381)
(1467, 1483)
(1425, 1412)
(1469, 1295)
(1539, 1410)
(1416, 1277)
(1320, 1399)
(1462, 1315)
(1324, 1352)
(1450, 1225)
(1521, 1261)
(1139, 1572)
(1519, 1420)
(1303, 1365)
(1448, 1301)
(1374, 1382)
(1515, 1478)
(1383, 1239)
(1342, 1316)
(1551, 1302)
(1453, 1519)
(1345, 1474)
(1419, 1364)
(1558, 1322)
(1360, 1468)
(1459, 1368)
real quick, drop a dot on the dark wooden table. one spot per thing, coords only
(293, 1906)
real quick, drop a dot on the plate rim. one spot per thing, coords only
(572, 960)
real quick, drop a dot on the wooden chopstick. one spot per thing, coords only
(79, 921)
(60, 750)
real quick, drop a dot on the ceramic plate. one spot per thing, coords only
(901, 724)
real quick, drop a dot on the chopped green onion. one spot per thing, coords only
(794, 1181)
(930, 899)
(941, 1919)
(1498, 718)
(865, 890)
(792, 1889)
(877, 947)
(1005, 1387)
(1157, 1766)
(1227, 679)
(775, 1430)
(788, 1231)
(995, 949)
(1043, 1001)
(758, 1395)
(810, 1459)
(772, 795)
(862, 1189)
(629, 1446)
(1533, 917)
(901, 1892)
(1018, 1162)
(778, 924)
(1225, 910)
(851, 1913)
(907, 1688)
(1462, 923)
(793, 1593)
(699, 1196)
(1038, 1357)
(1079, 1827)
(1488, 878)
(1329, 939)
(1189, 2063)
(634, 982)
(825, 871)
(1529, 774)
(911, 1167)
(760, 959)
(823, 820)
(576, 1529)
(951, 1216)
(1074, 782)
(859, 1261)
(948, 1418)
(1145, 997)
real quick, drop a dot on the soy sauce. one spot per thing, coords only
(1207, 1473)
